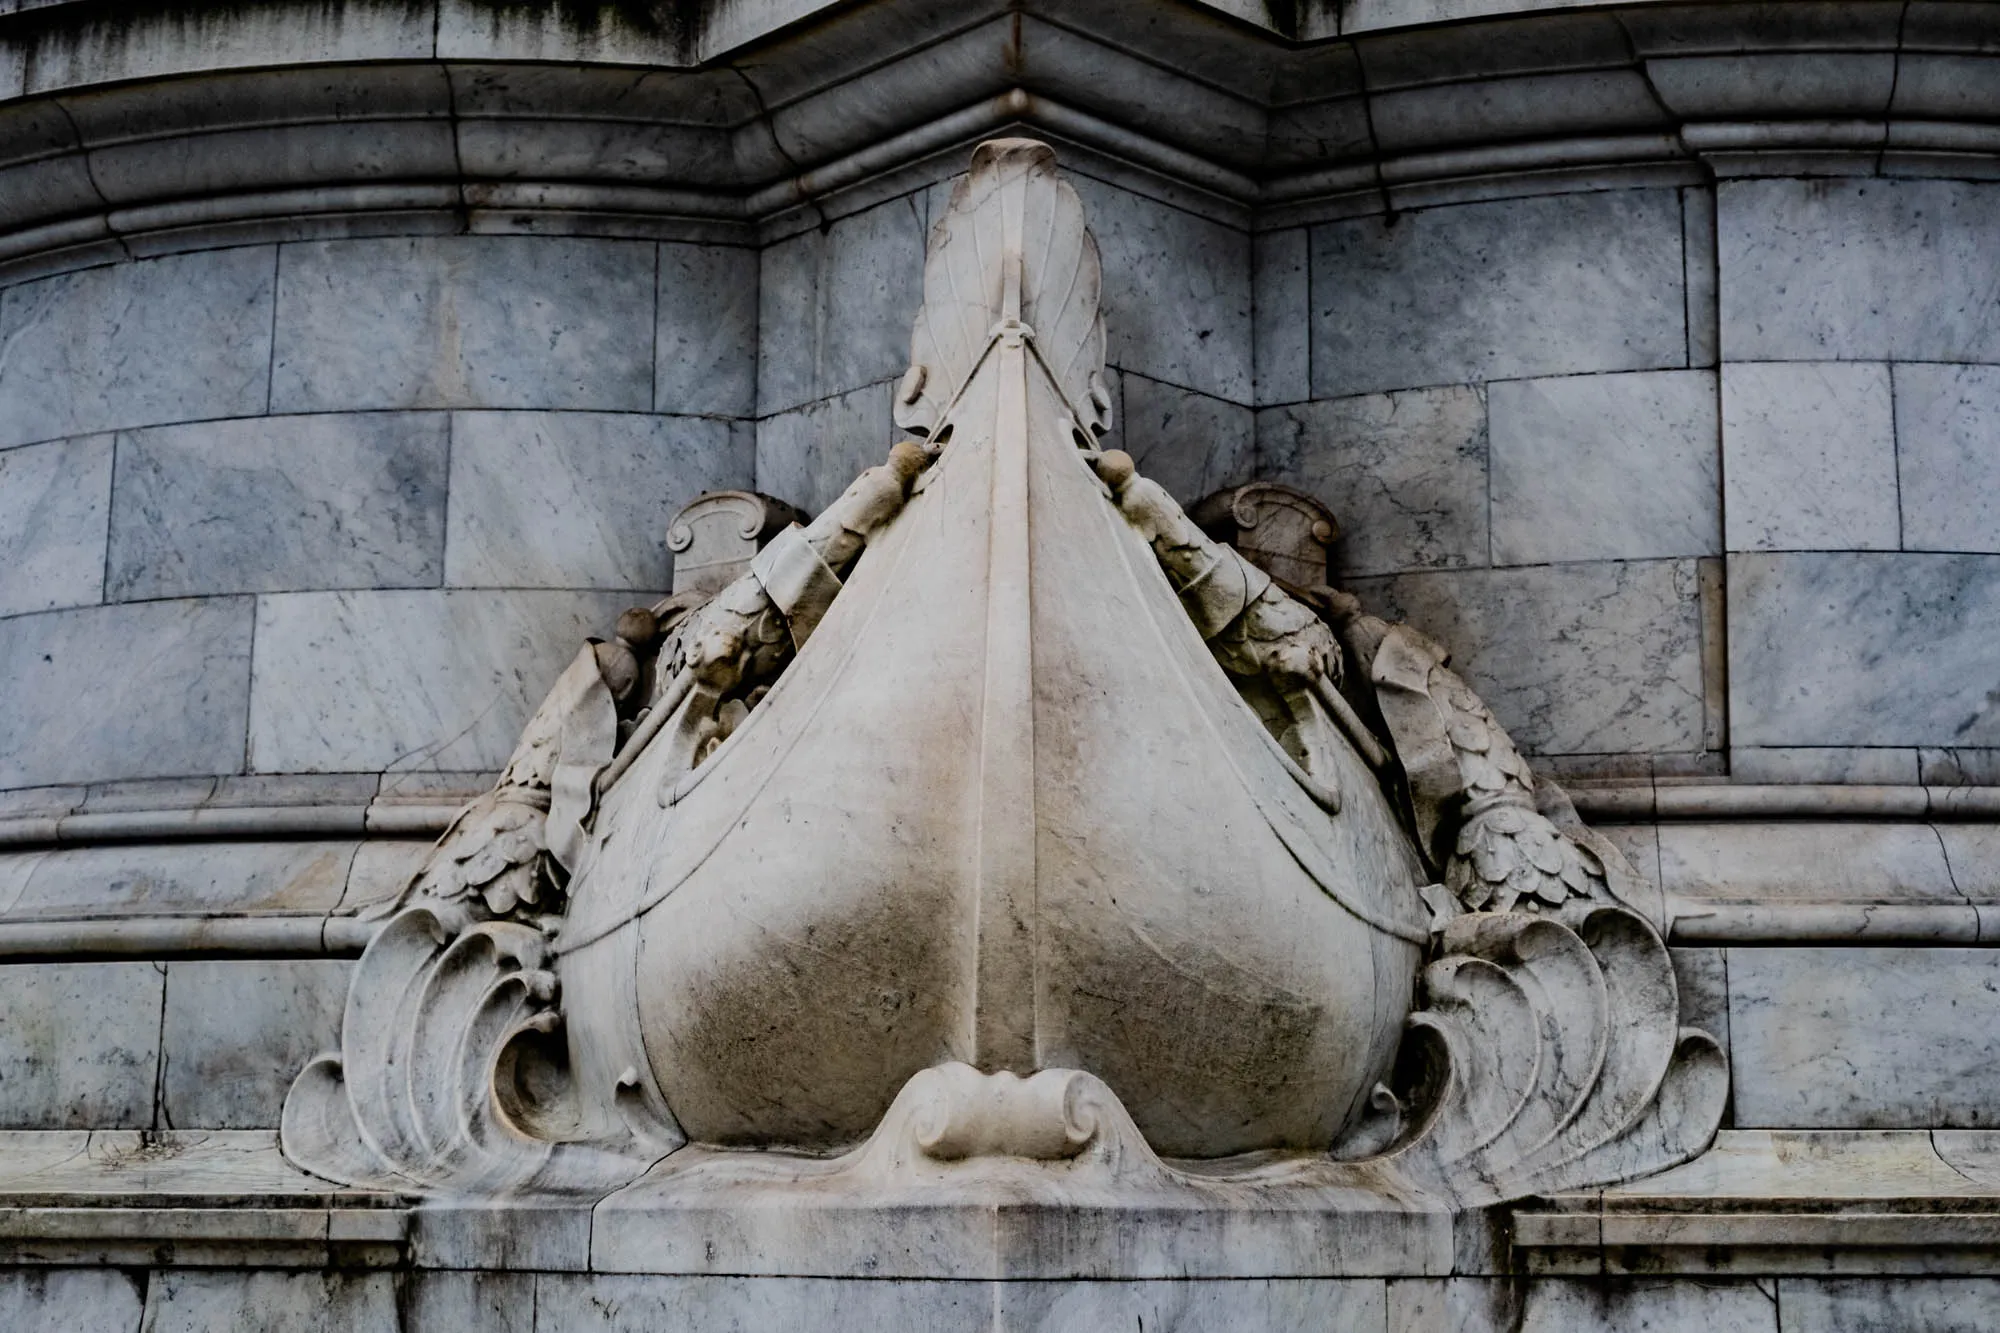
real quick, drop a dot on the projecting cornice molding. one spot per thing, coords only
(751, 120)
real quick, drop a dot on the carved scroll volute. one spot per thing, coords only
(715, 538)
(1285, 533)
(1058, 298)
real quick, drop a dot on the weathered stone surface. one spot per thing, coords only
(193, 1301)
(1664, 1307)
(1453, 1305)
(237, 1032)
(175, 339)
(1936, 1305)
(279, 504)
(807, 454)
(1809, 456)
(82, 708)
(1404, 473)
(55, 505)
(358, 681)
(1573, 659)
(1190, 443)
(1862, 649)
(1874, 1037)
(588, 1304)
(835, 307)
(63, 1300)
(705, 361)
(1557, 285)
(1283, 317)
(1702, 976)
(577, 499)
(1605, 467)
(464, 321)
(1808, 268)
(1824, 763)
(207, 877)
(1176, 292)
(1083, 1307)
(1814, 862)
(79, 1044)
(499, 1302)
(1947, 471)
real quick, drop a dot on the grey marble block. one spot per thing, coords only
(183, 338)
(835, 306)
(619, 1304)
(66, 1300)
(1809, 454)
(1863, 649)
(1404, 473)
(808, 455)
(1807, 264)
(279, 504)
(1524, 287)
(353, 681)
(237, 1032)
(1825, 763)
(192, 1301)
(186, 878)
(488, 1302)
(55, 507)
(1177, 297)
(1088, 1307)
(153, 688)
(705, 357)
(1601, 658)
(1605, 467)
(1932, 1304)
(1283, 321)
(1878, 1038)
(1190, 443)
(79, 1044)
(1947, 469)
(465, 321)
(1454, 1305)
(1670, 1306)
(578, 499)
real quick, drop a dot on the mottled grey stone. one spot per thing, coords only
(1878, 1038)
(1090, 1307)
(1190, 443)
(1556, 285)
(835, 306)
(1573, 659)
(236, 1034)
(1404, 473)
(486, 1302)
(1605, 467)
(353, 681)
(1889, 270)
(79, 1044)
(1823, 763)
(1698, 262)
(196, 878)
(1176, 291)
(577, 499)
(808, 455)
(1863, 649)
(465, 321)
(67, 1300)
(1702, 976)
(602, 1304)
(1947, 470)
(193, 1301)
(55, 505)
(1453, 1305)
(279, 504)
(1812, 862)
(1283, 317)
(706, 356)
(176, 339)
(1932, 1304)
(1743, 1306)
(124, 691)
(1960, 765)
(1809, 457)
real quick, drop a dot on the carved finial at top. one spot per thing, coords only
(1031, 259)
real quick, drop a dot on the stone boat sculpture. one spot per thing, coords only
(999, 834)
